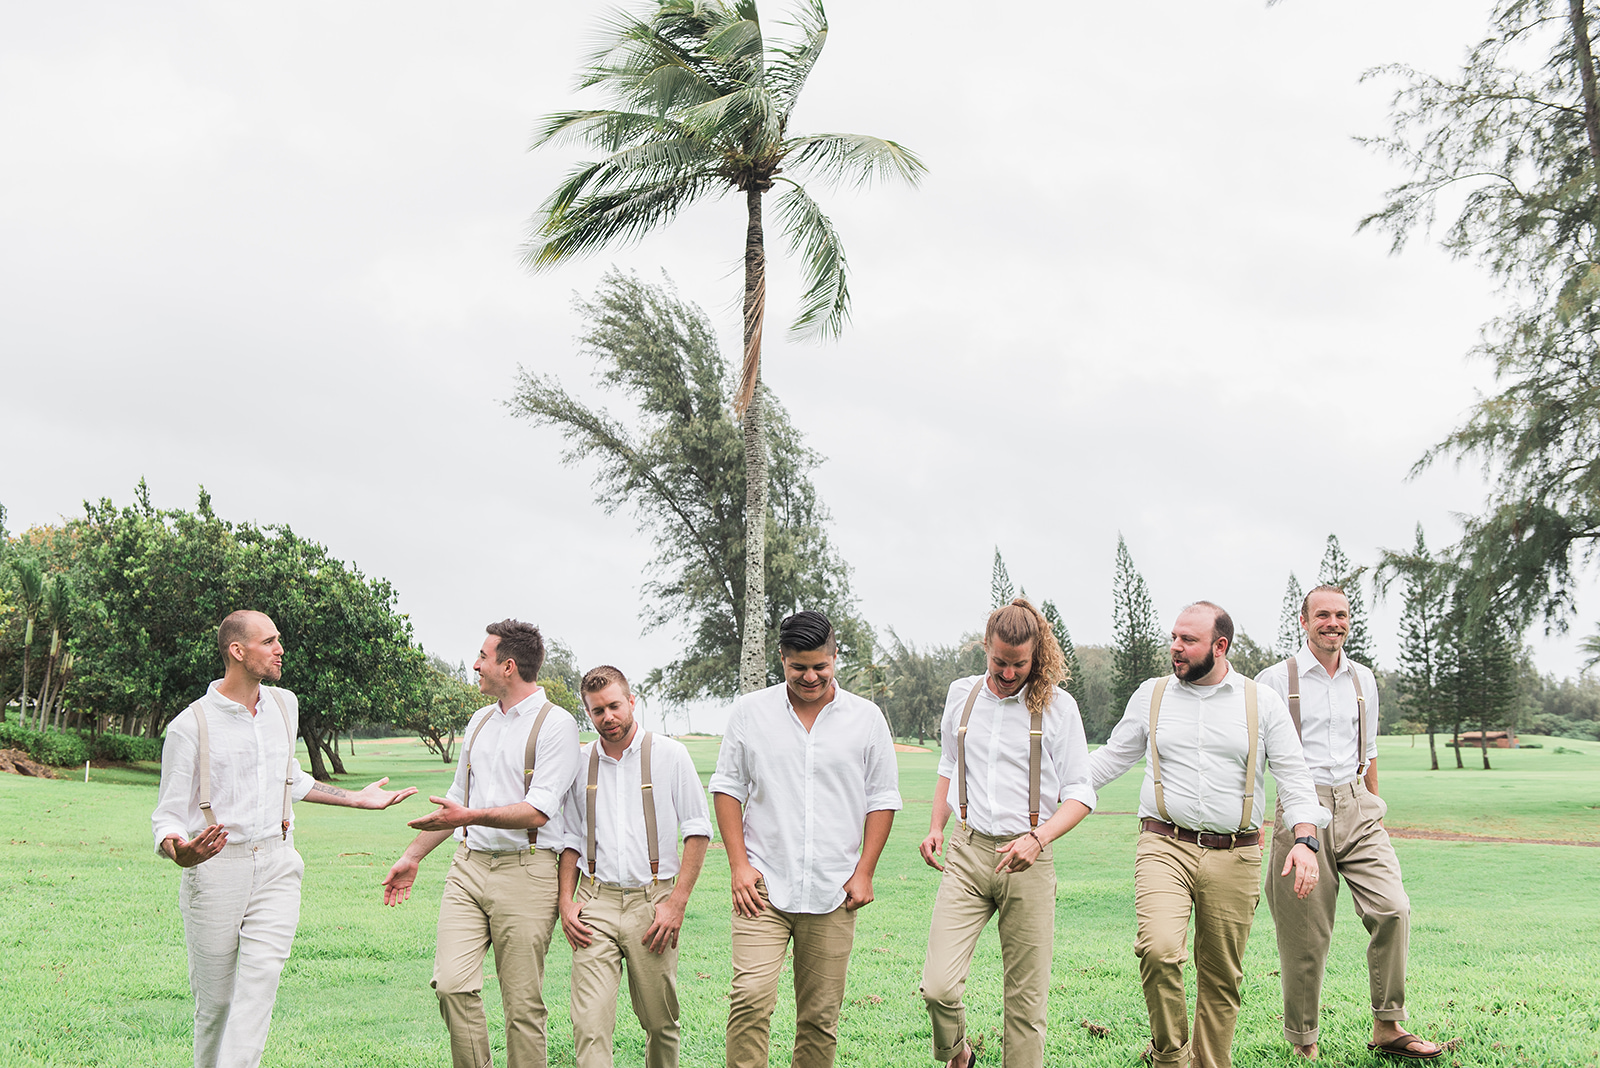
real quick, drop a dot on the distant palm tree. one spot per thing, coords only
(1591, 645)
(703, 108)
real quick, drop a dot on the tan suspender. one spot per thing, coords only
(1035, 755)
(646, 789)
(528, 755)
(1361, 711)
(204, 744)
(1252, 721)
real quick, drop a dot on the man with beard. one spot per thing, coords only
(805, 792)
(228, 778)
(1209, 734)
(634, 791)
(1333, 702)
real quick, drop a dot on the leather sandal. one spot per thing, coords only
(1405, 1047)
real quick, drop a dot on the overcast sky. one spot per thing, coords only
(274, 251)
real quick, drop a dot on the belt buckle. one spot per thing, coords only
(1201, 836)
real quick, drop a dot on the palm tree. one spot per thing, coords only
(703, 106)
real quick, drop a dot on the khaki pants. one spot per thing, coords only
(619, 918)
(822, 944)
(970, 892)
(240, 909)
(1356, 849)
(1220, 887)
(507, 900)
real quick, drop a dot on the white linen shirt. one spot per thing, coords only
(497, 755)
(248, 756)
(806, 794)
(1202, 739)
(620, 841)
(997, 757)
(1328, 713)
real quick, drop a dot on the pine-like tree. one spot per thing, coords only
(1289, 632)
(1075, 681)
(1136, 649)
(1000, 589)
(1424, 645)
(1337, 570)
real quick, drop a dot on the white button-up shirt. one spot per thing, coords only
(496, 754)
(1202, 739)
(249, 755)
(621, 845)
(806, 794)
(1328, 713)
(997, 757)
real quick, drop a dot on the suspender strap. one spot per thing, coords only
(1294, 694)
(646, 788)
(1155, 757)
(1035, 758)
(961, 747)
(528, 756)
(1361, 723)
(204, 770)
(466, 758)
(1252, 720)
(589, 802)
(288, 768)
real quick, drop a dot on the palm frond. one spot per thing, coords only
(603, 129)
(787, 73)
(854, 159)
(622, 215)
(825, 307)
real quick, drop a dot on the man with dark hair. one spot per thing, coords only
(635, 792)
(805, 791)
(1333, 702)
(1209, 734)
(516, 765)
(228, 777)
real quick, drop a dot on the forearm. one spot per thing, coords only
(1371, 777)
(424, 843)
(874, 836)
(730, 824)
(322, 793)
(694, 858)
(567, 875)
(1067, 816)
(519, 816)
(941, 804)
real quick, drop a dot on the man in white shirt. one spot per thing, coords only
(1209, 734)
(642, 789)
(517, 762)
(228, 776)
(1014, 745)
(805, 792)
(1334, 704)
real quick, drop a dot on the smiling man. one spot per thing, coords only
(805, 791)
(634, 791)
(1333, 702)
(228, 780)
(519, 758)
(1209, 734)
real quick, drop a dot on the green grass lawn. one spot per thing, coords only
(1505, 950)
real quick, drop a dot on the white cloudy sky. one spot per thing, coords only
(273, 250)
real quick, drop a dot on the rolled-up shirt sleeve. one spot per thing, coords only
(555, 763)
(574, 811)
(301, 781)
(882, 771)
(1288, 763)
(949, 723)
(1128, 742)
(689, 799)
(1072, 754)
(732, 776)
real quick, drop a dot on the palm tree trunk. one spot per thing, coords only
(1586, 77)
(26, 642)
(753, 643)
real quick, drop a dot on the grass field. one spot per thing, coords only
(1505, 950)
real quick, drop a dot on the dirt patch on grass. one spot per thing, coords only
(16, 762)
(1454, 836)
(902, 748)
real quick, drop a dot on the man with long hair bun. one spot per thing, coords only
(1014, 747)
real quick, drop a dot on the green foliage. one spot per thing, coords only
(440, 707)
(60, 748)
(1137, 647)
(1337, 570)
(1290, 636)
(1075, 684)
(918, 682)
(677, 464)
(1248, 658)
(123, 748)
(1423, 619)
(1000, 591)
(558, 692)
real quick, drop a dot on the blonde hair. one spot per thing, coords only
(1019, 623)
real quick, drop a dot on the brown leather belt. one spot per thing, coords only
(1203, 839)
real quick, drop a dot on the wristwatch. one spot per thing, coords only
(1309, 841)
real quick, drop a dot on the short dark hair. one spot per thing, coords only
(598, 678)
(234, 628)
(1222, 623)
(1305, 605)
(805, 631)
(520, 642)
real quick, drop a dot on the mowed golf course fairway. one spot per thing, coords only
(1505, 936)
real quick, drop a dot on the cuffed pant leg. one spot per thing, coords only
(266, 935)
(758, 946)
(1027, 905)
(822, 944)
(463, 941)
(596, 979)
(522, 912)
(961, 909)
(1164, 873)
(1227, 891)
(1372, 871)
(1304, 929)
(652, 978)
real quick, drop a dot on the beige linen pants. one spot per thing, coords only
(1356, 849)
(240, 909)
(507, 900)
(970, 892)
(822, 943)
(619, 917)
(1221, 888)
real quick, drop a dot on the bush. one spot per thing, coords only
(70, 748)
(61, 748)
(13, 736)
(123, 748)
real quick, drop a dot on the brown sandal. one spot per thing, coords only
(1405, 1047)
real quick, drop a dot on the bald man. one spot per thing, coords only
(224, 815)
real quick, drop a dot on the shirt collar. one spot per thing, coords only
(1308, 663)
(1233, 680)
(227, 704)
(529, 704)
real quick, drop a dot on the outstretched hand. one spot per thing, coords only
(374, 796)
(447, 817)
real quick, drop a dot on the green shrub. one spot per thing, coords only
(123, 748)
(61, 748)
(13, 736)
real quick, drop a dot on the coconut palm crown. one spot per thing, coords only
(703, 107)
